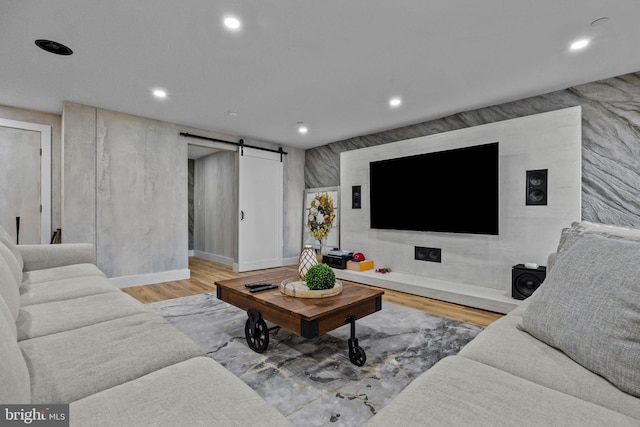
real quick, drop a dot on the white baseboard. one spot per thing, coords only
(258, 266)
(290, 261)
(213, 257)
(190, 253)
(150, 278)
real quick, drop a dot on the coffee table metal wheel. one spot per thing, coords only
(356, 353)
(357, 356)
(256, 332)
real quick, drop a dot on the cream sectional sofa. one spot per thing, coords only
(568, 356)
(67, 335)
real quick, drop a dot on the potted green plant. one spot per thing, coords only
(319, 277)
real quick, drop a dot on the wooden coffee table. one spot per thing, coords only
(307, 317)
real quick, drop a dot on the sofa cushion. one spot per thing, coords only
(589, 307)
(14, 376)
(197, 392)
(41, 257)
(570, 235)
(10, 260)
(520, 308)
(58, 316)
(60, 273)
(9, 288)
(460, 392)
(505, 347)
(6, 319)
(11, 244)
(57, 290)
(74, 364)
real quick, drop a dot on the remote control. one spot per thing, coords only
(256, 285)
(263, 288)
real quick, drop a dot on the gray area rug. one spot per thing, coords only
(311, 381)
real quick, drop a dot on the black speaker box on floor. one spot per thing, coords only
(524, 281)
(537, 187)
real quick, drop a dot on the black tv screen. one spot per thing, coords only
(454, 191)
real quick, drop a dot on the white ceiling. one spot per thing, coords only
(331, 64)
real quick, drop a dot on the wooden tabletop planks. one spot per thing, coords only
(287, 311)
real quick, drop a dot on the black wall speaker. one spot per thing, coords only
(428, 254)
(356, 197)
(537, 187)
(524, 281)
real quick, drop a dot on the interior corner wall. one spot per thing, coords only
(125, 189)
(549, 141)
(141, 205)
(78, 173)
(293, 204)
(191, 171)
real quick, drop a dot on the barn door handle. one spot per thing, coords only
(241, 215)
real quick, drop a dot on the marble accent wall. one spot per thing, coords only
(610, 143)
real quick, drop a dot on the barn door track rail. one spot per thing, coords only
(239, 144)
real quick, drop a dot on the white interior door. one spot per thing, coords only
(25, 181)
(260, 207)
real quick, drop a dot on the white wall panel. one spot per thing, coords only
(527, 233)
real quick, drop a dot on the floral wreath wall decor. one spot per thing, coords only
(321, 216)
(321, 224)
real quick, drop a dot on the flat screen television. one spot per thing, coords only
(454, 191)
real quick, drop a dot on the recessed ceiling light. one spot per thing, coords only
(232, 23)
(395, 102)
(53, 47)
(160, 93)
(233, 113)
(579, 44)
(302, 128)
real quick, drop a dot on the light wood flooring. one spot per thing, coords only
(204, 273)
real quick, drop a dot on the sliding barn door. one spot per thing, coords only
(260, 208)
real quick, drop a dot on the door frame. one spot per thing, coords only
(45, 171)
(207, 148)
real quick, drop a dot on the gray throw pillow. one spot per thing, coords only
(589, 308)
(570, 235)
